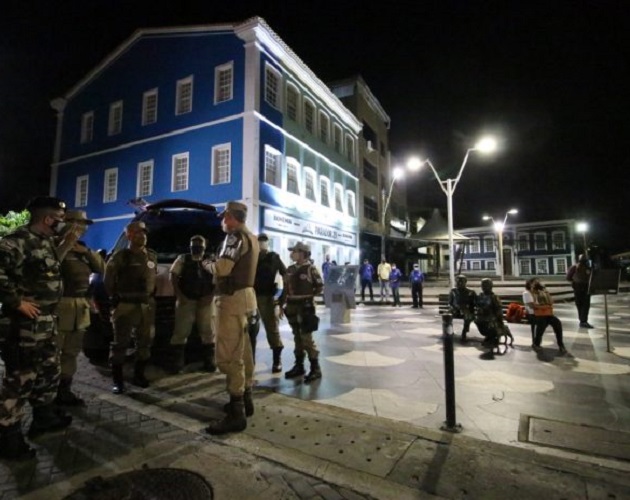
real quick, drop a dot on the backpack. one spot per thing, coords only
(515, 313)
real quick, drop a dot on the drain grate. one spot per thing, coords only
(575, 437)
(145, 484)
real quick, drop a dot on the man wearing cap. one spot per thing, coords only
(129, 279)
(235, 302)
(30, 289)
(194, 289)
(267, 294)
(416, 278)
(303, 282)
(74, 307)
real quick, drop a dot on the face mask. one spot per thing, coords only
(196, 249)
(57, 226)
(264, 245)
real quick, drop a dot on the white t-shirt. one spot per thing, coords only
(527, 299)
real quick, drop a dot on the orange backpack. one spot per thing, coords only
(515, 313)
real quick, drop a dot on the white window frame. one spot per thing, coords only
(561, 235)
(87, 127)
(324, 180)
(293, 164)
(560, 265)
(542, 266)
(488, 244)
(536, 235)
(175, 185)
(81, 191)
(351, 203)
(115, 118)
(149, 107)
(313, 125)
(525, 267)
(475, 265)
(310, 176)
(338, 198)
(474, 245)
(224, 82)
(273, 165)
(273, 88)
(523, 242)
(221, 164)
(289, 110)
(491, 265)
(184, 99)
(337, 138)
(144, 180)
(349, 147)
(110, 185)
(324, 127)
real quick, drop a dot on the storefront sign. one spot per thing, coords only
(301, 227)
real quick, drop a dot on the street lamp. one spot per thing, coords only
(485, 145)
(582, 227)
(498, 227)
(397, 173)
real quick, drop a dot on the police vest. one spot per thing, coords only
(194, 281)
(136, 275)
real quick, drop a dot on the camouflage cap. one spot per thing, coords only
(300, 247)
(78, 216)
(235, 208)
(198, 237)
(263, 237)
(132, 227)
(46, 202)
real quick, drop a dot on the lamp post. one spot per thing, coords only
(397, 173)
(499, 226)
(582, 227)
(485, 145)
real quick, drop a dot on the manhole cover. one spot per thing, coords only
(145, 484)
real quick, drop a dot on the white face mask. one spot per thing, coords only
(264, 245)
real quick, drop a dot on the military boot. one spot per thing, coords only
(12, 443)
(65, 397)
(298, 368)
(247, 400)
(234, 421)
(117, 376)
(209, 363)
(277, 360)
(48, 418)
(138, 374)
(315, 373)
(177, 359)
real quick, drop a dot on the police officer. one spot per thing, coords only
(74, 306)
(193, 292)
(130, 282)
(269, 266)
(235, 301)
(30, 289)
(303, 282)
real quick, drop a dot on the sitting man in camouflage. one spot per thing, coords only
(461, 303)
(489, 315)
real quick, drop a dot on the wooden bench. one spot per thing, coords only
(505, 302)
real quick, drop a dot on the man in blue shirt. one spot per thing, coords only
(367, 274)
(326, 268)
(416, 279)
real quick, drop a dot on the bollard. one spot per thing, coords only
(451, 424)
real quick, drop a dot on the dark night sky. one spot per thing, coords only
(549, 78)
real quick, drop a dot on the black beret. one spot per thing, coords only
(46, 202)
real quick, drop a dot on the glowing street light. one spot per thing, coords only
(582, 227)
(397, 173)
(498, 227)
(485, 145)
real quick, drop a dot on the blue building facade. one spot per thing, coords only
(536, 248)
(211, 113)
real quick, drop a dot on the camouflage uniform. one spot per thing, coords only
(461, 304)
(303, 282)
(489, 314)
(29, 269)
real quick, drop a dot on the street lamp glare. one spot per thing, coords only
(398, 173)
(486, 145)
(485, 217)
(498, 226)
(513, 211)
(581, 227)
(414, 164)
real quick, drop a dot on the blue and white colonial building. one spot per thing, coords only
(211, 113)
(533, 248)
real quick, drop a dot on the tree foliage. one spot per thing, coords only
(12, 220)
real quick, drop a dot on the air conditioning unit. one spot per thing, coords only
(369, 147)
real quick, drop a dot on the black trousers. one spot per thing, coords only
(368, 284)
(416, 294)
(583, 304)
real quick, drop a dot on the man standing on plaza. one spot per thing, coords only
(74, 306)
(130, 277)
(579, 274)
(384, 269)
(193, 288)
(30, 289)
(416, 278)
(367, 275)
(235, 302)
(269, 267)
(326, 268)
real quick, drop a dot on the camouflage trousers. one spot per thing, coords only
(190, 312)
(128, 319)
(303, 322)
(266, 305)
(31, 367)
